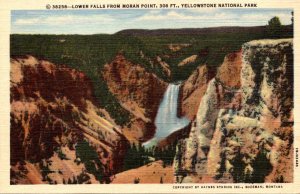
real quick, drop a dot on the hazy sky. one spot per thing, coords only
(111, 21)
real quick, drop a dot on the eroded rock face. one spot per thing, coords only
(192, 91)
(139, 92)
(52, 109)
(249, 138)
(194, 88)
(186, 61)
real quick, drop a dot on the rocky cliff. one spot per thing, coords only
(193, 89)
(138, 91)
(243, 129)
(53, 117)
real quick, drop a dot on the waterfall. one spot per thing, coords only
(166, 120)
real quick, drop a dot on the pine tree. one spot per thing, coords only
(74, 180)
(274, 27)
(136, 180)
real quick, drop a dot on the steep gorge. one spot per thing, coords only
(243, 128)
(194, 88)
(241, 117)
(52, 112)
(139, 92)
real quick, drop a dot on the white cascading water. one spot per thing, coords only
(166, 120)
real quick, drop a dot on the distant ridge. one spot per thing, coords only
(192, 31)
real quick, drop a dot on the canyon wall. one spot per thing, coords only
(193, 89)
(139, 92)
(243, 128)
(53, 115)
(241, 113)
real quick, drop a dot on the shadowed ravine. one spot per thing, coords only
(166, 120)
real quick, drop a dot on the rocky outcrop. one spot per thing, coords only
(177, 47)
(228, 73)
(52, 109)
(195, 86)
(192, 90)
(186, 61)
(165, 67)
(243, 131)
(139, 92)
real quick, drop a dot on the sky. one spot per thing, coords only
(114, 20)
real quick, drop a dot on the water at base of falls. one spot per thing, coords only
(166, 120)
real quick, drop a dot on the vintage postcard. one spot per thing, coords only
(149, 97)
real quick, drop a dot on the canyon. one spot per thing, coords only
(139, 92)
(240, 115)
(52, 111)
(242, 130)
